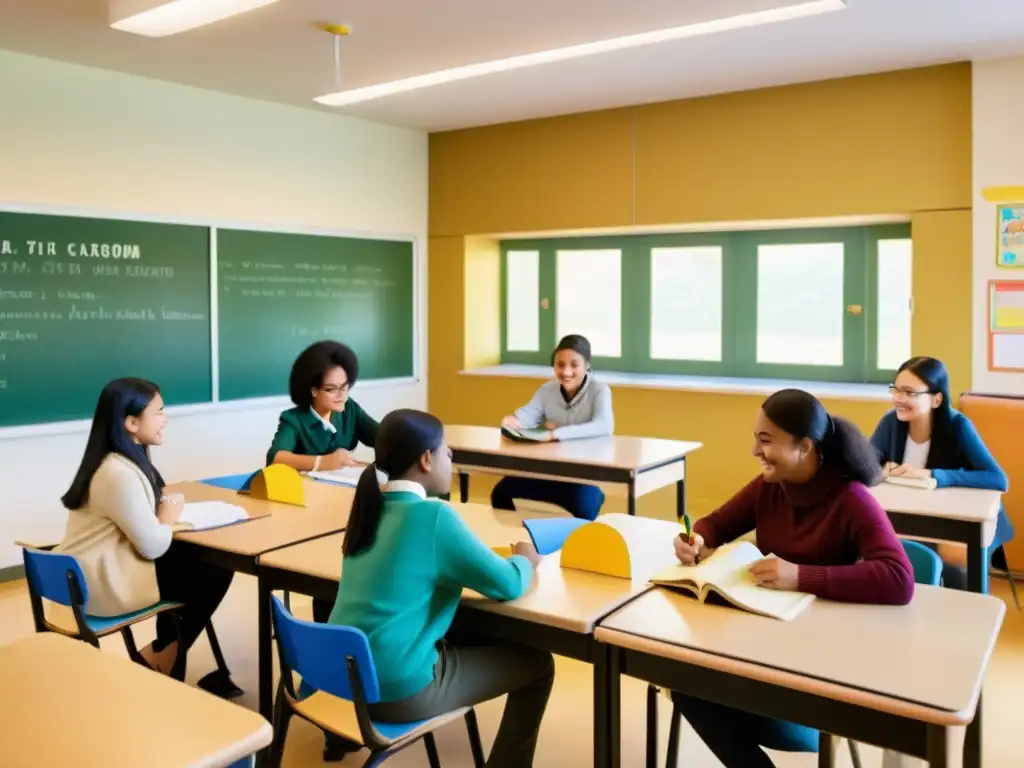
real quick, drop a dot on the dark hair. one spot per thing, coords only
(312, 365)
(404, 436)
(120, 399)
(935, 376)
(840, 444)
(576, 343)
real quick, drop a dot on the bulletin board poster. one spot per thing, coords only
(1006, 325)
(1010, 235)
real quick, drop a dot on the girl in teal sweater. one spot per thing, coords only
(407, 557)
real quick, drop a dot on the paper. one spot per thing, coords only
(204, 515)
(345, 476)
(1007, 352)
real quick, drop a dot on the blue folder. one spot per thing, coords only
(549, 533)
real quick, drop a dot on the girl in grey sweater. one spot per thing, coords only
(571, 406)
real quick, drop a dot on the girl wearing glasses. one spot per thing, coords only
(325, 426)
(922, 436)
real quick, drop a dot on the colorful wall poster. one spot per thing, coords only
(1010, 235)
(1006, 325)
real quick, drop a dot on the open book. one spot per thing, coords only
(204, 515)
(726, 573)
(925, 483)
(524, 435)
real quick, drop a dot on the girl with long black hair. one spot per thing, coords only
(120, 525)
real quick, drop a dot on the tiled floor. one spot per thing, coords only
(566, 735)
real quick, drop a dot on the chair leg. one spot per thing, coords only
(432, 756)
(1013, 588)
(855, 754)
(672, 755)
(475, 747)
(133, 651)
(652, 726)
(282, 717)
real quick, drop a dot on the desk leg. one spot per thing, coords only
(464, 487)
(977, 563)
(938, 746)
(972, 740)
(265, 664)
(631, 496)
(680, 498)
(826, 750)
(606, 707)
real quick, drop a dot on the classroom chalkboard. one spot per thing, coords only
(87, 300)
(278, 292)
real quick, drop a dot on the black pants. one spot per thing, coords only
(183, 578)
(322, 610)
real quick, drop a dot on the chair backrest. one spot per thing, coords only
(926, 562)
(318, 653)
(47, 575)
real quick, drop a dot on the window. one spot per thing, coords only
(522, 299)
(686, 303)
(589, 298)
(827, 304)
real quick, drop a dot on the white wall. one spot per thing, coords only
(98, 141)
(998, 161)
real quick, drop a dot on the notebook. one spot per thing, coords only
(204, 515)
(925, 483)
(525, 435)
(344, 476)
(726, 574)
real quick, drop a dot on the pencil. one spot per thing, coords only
(685, 520)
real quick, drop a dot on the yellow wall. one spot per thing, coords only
(895, 143)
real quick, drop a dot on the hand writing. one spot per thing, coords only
(689, 554)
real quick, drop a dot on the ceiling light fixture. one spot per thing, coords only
(159, 18)
(740, 21)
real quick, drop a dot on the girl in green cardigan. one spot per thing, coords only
(407, 557)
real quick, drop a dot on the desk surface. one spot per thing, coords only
(618, 451)
(67, 703)
(932, 653)
(563, 598)
(970, 504)
(326, 511)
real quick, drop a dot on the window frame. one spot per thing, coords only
(739, 301)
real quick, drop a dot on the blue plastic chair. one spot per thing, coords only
(344, 691)
(57, 577)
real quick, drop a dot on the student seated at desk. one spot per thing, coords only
(406, 560)
(811, 509)
(922, 436)
(325, 425)
(571, 406)
(120, 525)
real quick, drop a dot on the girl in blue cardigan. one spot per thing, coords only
(922, 436)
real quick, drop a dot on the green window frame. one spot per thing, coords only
(739, 301)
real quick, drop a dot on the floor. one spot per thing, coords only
(566, 735)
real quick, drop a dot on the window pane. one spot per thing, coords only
(589, 298)
(686, 303)
(800, 304)
(522, 301)
(894, 292)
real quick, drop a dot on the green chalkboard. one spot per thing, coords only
(87, 300)
(279, 292)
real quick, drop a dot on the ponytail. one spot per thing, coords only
(366, 508)
(849, 450)
(840, 444)
(404, 436)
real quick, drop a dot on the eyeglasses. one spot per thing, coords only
(906, 391)
(336, 389)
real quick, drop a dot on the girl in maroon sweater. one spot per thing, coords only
(811, 508)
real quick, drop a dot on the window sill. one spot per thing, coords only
(821, 389)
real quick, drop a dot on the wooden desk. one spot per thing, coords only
(641, 464)
(236, 547)
(897, 677)
(558, 613)
(67, 703)
(964, 515)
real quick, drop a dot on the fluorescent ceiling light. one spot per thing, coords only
(753, 19)
(159, 18)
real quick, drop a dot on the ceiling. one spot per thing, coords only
(275, 54)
